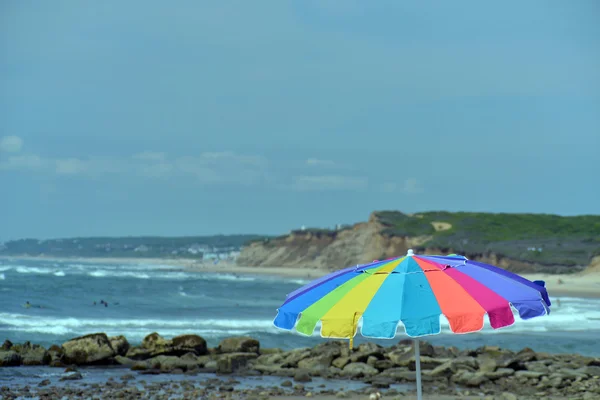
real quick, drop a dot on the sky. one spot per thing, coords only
(208, 117)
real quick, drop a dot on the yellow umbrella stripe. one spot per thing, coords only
(348, 299)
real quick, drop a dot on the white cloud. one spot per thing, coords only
(11, 144)
(150, 156)
(205, 168)
(409, 186)
(70, 166)
(330, 182)
(22, 162)
(315, 162)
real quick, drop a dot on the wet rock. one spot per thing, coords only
(294, 356)
(287, 384)
(468, 378)
(10, 358)
(242, 344)
(189, 344)
(119, 344)
(231, 362)
(316, 363)
(56, 354)
(72, 376)
(359, 369)
(6, 345)
(302, 376)
(169, 363)
(340, 362)
(32, 354)
(88, 349)
(366, 350)
(43, 383)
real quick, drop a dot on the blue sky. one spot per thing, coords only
(139, 117)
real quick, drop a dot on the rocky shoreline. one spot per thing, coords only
(488, 371)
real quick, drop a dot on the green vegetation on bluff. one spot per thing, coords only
(142, 247)
(541, 238)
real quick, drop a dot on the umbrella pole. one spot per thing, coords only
(418, 369)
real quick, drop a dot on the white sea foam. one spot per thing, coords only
(5, 268)
(2, 277)
(58, 273)
(34, 270)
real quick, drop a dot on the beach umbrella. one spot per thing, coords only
(415, 290)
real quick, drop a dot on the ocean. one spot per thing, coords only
(146, 298)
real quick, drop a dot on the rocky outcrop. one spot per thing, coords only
(447, 371)
(89, 350)
(364, 242)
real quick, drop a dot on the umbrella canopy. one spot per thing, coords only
(414, 290)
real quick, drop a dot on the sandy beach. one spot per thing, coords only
(582, 284)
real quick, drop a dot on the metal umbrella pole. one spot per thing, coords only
(418, 369)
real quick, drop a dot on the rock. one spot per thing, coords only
(302, 376)
(529, 374)
(366, 350)
(287, 384)
(382, 365)
(10, 358)
(32, 354)
(499, 373)
(448, 368)
(56, 354)
(170, 363)
(43, 383)
(294, 356)
(73, 376)
(340, 362)
(120, 360)
(270, 359)
(88, 350)
(359, 369)
(242, 344)
(231, 362)
(342, 395)
(156, 345)
(6, 345)
(189, 344)
(119, 344)
(508, 396)
(468, 378)
(316, 363)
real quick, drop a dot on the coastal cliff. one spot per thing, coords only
(518, 242)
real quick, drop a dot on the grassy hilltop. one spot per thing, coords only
(538, 238)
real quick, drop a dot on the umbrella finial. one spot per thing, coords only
(410, 253)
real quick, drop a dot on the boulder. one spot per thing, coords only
(56, 356)
(468, 378)
(6, 345)
(170, 363)
(230, 362)
(293, 357)
(10, 358)
(119, 344)
(35, 355)
(359, 369)
(242, 344)
(31, 354)
(89, 350)
(120, 360)
(190, 344)
(366, 350)
(302, 376)
(316, 363)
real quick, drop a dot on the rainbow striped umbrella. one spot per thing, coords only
(414, 290)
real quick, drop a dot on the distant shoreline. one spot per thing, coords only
(559, 285)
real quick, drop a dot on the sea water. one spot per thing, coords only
(146, 298)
